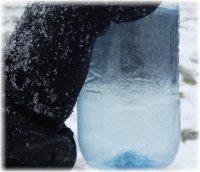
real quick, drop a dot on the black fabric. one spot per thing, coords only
(46, 62)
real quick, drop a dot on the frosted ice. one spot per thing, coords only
(128, 110)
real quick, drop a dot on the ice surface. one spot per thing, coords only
(128, 110)
(117, 123)
(129, 160)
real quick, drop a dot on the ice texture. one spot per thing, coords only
(128, 160)
(128, 109)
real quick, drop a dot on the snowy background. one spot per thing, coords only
(187, 157)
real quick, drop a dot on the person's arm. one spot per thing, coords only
(46, 63)
(129, 13)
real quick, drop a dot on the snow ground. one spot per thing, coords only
(189, 62)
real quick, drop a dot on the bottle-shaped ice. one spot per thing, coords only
(128, 109)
